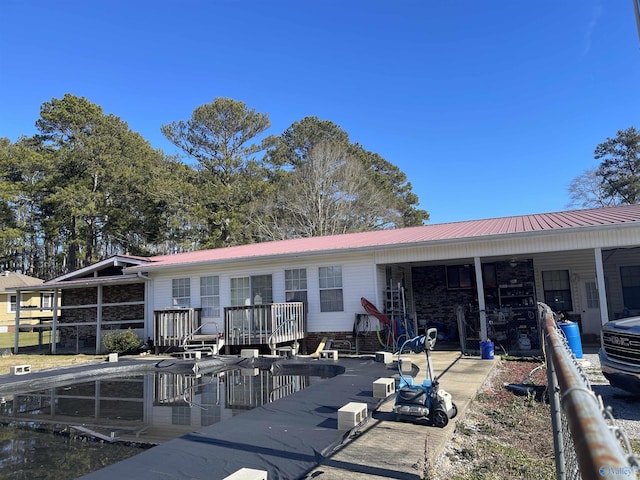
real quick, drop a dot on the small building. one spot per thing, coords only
(473, 280)
(35, 306)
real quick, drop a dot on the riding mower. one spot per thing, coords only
(425, 401)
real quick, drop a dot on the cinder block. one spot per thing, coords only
(20, 369)
(284, 351)
(405, 365)
(384, 357)
(333, 354)
(247, 474)
(113, 357)
(249, 372)
(383, 387)
(351, 415)
(249, 353)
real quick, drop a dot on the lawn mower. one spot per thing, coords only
(425, 401)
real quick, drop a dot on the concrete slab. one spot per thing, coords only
(387, 448)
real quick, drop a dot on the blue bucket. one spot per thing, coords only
(572, 332)
(486, 350)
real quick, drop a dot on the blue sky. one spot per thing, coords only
(490, 107)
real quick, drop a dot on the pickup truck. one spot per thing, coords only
(620, 353)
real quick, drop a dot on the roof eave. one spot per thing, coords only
(149, 267)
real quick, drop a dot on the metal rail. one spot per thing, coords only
(586, 444)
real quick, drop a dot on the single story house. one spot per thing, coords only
(35, 305)
(474, 280)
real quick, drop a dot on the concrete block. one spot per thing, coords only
(19, 369)
(113, 357)
(247, 474)
(249, 372)
(284, 351)
(405, 365)
(249, 353)
(333, 354)
(384, 357)
(351, 415)
(383, 387)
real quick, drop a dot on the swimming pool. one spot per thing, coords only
(86, 425)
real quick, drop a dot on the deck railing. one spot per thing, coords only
(268, 324)
(172, 325)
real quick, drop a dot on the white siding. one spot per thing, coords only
(358, 280)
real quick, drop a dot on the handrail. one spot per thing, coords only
(271, 341)
(189, 336)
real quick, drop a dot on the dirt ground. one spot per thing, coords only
(503, 435)
(41, 362)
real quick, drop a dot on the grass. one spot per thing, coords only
(25, 339)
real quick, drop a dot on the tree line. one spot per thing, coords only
(616, 180)
(86, 187)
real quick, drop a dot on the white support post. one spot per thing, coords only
(54, 323)
(16, 337)
(481, 305)
(99, 321)
(602, 292)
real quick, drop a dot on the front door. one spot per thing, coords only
(590, 302)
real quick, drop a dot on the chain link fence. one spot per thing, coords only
(587, 442)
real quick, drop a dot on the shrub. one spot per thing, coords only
(122, 342)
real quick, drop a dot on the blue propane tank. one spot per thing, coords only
(572, 332)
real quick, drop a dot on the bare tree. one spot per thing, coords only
(587, 191)
(330, 193)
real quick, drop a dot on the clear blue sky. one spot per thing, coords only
(490, 107)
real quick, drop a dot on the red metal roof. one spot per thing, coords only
(598, 217)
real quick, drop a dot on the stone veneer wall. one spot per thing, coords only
(86, 336)
(435, 303)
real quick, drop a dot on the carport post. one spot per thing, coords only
(602, 291)
(481, 305)
(17, 327)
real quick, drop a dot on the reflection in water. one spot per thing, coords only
(40, 428)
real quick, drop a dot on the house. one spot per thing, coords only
(474, 280)
(35, 306)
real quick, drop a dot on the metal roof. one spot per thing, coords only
(556, 222)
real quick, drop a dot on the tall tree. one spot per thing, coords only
(98, 198)
(355, 189)
(620, 166)
(224, 138)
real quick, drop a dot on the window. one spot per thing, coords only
(295, 285)
(251, 290)
(630, 279)
(460, 276)
(181, 292)
(557, 290)
(13, 302)
(46, 301)
(210, 297)
(331, 289)
(591, 292)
